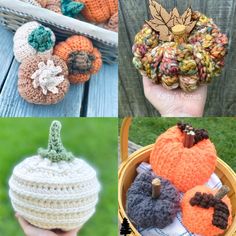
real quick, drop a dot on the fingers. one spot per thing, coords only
(69, 233)
(24, 224)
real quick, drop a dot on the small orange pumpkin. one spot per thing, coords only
(81, 57)
(99, 11)
(185, 164)
(203, 214)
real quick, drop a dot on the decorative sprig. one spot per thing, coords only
(55, 151)
(163, 21)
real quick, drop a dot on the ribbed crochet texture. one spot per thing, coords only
(81, 57)
(145, 211)
(36, 95)
(32, 39)
(184, 167)
(56, 191)
(71, 8)
(199, 220)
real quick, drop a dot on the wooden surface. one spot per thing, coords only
(97, 98)
(221, 99)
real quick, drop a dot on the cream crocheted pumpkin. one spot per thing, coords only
(54, 189)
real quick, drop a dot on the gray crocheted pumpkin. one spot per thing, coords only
(152, 204)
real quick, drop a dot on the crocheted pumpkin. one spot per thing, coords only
(81, 57)
(152, 201)
(99, 11)
(31, 39)
(179, 51)
(185, 156)
(54, 189)
(206, 212)
(43, 79)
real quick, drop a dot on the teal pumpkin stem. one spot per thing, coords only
(71, 8)
(56, 151)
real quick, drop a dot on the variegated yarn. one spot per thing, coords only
(31, 39)
(185, 65)
(54, 189)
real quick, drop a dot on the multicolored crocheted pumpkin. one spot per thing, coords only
(54, 189)
(99, 11)
(31, 39)
(152, 201)
(206, 212)
(185, 156)
(43, 80)
(81, 57)
(179, 51)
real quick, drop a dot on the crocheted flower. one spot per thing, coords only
(43, 79)
(181, 52)
(54, 189)
(81, 57)
(32, 39)
(47, 77)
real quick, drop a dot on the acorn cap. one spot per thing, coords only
(179, 29)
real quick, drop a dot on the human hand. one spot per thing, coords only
(31, 230)
(175, 103)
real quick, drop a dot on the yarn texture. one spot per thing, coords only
(145, 211)
(183, 64)
(71, 8)
(81, 57)
(199, 220)
(184, 167)
(56, 190)
(43, 80)
(32, 39)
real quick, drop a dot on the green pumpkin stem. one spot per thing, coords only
(55, 151)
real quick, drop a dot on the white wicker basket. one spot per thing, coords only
(14, 13)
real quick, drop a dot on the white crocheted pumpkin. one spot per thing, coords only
(54, 189)
(31, 39)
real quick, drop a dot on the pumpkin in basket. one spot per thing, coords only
(54, 189)
(185, 156)
(179, 51)
(206, 211)
(81, 57)
(43, 79)
(152, 201)
(31, 39)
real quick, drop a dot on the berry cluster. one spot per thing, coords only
(200, 134)
(221, 210)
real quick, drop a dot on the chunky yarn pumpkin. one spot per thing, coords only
(183, 52)
(81, 57)
(31, 39)
(205, 215)
(147, 211)
(43, 79)
(184, 167)
(54, 189)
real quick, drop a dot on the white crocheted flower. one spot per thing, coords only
(47, 78)
(31, 39)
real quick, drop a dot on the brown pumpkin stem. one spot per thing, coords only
(189, 138)
(222, 192)
(179, 32)
(156, 188)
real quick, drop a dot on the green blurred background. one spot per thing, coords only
(93, 138)
(222, 131)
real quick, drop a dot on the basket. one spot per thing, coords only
(14, 13)
(127, 173)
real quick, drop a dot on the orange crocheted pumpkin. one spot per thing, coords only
(206, 212)
(99, 11)
(81, 57)
(185, 156)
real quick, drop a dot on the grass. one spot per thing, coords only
(222, 133)
(94, 139)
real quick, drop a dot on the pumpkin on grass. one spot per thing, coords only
(152, 201)
(185, 156)
(205, 211)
